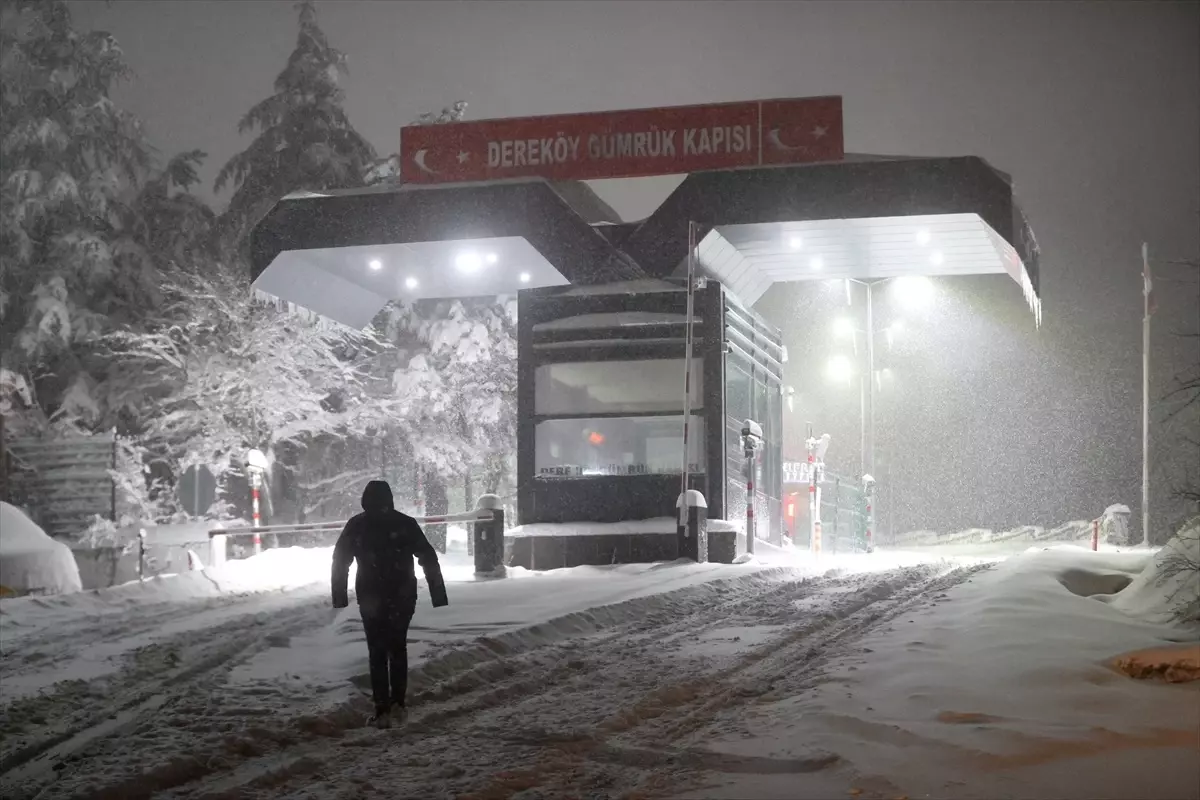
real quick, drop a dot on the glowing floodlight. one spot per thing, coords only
(914, 291)
(816, 263)
(937, 259)
(375, 264)
(410, 283)
(492, 258)
(524, 277)
(923, 237)
(468, 262)
(843, 327)
(839, 369)
(795, 242)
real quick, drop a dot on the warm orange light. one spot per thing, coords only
(596, 438)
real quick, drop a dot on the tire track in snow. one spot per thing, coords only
(45, 648)
(479, 717)
(637, 741)
(448, 691)
(161, 674)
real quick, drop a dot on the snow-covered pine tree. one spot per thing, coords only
(71, 261)
(304, 138)
(458, 379)
(245, 373)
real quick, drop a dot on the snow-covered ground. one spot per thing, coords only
(879, 675)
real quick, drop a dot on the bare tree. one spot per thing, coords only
(1184, 397)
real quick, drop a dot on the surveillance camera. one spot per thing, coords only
(752, 428)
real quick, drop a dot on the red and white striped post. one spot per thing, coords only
(1096, 534)
(256, 465)
(814, 505)
(255, 511)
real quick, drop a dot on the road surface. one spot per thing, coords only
(617, 702)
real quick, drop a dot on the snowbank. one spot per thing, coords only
(1168, 589)
(1003, 687)
(30, 561)
(1112, 535)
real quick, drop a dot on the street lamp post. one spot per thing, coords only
(916, 291)
(868, 394)
(867, 381)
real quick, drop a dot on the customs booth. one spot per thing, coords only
(600, 403)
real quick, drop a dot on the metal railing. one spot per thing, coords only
(487, 522)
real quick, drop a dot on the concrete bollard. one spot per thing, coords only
(216, 549)
(693, 537)
(488, 537)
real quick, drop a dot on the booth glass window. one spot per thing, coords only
(751, 392)
(616, 418)
(615, 387)
(588, 446)
(737, 390)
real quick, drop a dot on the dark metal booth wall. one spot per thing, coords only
(600, 394)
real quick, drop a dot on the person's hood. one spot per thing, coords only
(377, 497)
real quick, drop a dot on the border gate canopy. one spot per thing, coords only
(345, 255)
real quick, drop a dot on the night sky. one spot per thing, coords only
(1094, 108)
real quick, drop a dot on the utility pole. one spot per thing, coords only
(1146, 309)
(868, 467)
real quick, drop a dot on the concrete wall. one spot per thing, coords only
(556, 552)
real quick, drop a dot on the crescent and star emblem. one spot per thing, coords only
(420, 155)
(818, 132)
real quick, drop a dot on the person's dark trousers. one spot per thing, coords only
(387, 648)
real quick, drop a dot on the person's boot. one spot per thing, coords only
(399, 714)
(381, 720)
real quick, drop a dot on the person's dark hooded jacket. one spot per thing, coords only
(384, 542)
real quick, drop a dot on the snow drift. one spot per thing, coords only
(30, 561)
(1168, 590)
(1005, 686)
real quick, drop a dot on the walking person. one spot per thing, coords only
(384, 542)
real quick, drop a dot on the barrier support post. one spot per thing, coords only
(488, 536)
(692, 536)
(141, 554)
(1096, 534)
(255, 514)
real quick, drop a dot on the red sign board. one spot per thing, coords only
(624, 144)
